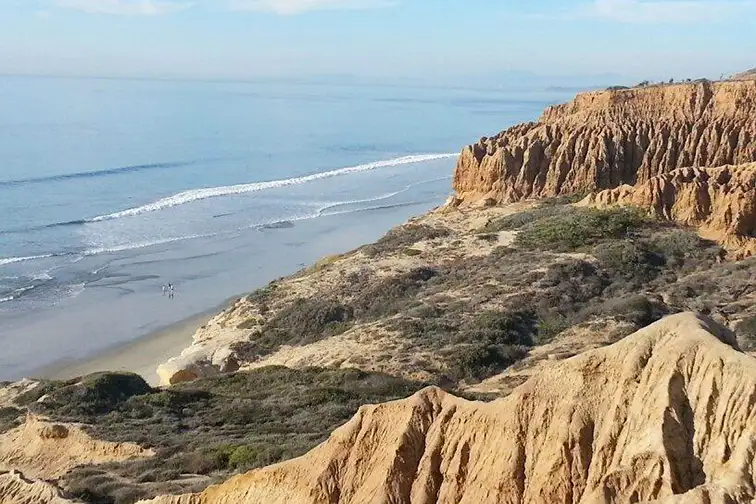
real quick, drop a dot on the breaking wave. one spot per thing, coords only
(185, 197)
(12, 260)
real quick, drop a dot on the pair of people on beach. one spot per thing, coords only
(169, 289)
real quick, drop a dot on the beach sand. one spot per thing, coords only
(141, 356)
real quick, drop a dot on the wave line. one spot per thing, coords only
(214, 192)
(12, 260)
(94, 174)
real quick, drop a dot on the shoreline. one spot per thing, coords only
(142, 355)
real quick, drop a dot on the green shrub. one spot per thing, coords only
(404, 236)
(94, 394)
(746, 331)
(518, 220)
(636, 309)
(571, 231)
(301, 322)
(10, 418)
(500, 328)
(550, 324)
(480, 361)
(411, 252)
(629, 259)
(488, 237)
(390, 295)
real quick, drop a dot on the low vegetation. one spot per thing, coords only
(211, 427)
(404, 236)
(567, 266)
(746, 331)
(461, 317)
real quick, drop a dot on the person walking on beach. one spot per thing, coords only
(170, 291)
(165, 289)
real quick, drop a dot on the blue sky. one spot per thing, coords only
(419, 39)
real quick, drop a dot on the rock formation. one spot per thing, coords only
(38, 452)
(747, 75)
(16, 489)
(721, 202)
(602, 140)
(665, 415)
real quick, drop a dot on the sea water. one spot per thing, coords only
(110, 189)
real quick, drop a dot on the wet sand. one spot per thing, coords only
(141, 356)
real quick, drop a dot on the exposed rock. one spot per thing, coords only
(721, 202)
(602, 140)
(16, 489)
(665, 415)
(201, 360)
(45, 450)
(747, 75)
(11, 391)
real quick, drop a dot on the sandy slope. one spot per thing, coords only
(666, 414)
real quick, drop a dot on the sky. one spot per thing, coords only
(429, 40)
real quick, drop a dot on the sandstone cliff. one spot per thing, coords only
(602, 140)
(665, 415)
(721, 202)
(747, 75)
(16, 489)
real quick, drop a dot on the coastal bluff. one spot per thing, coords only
(604, 139)
(665, 415)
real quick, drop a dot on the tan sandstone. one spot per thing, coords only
(604, 139)
(721, 202)
(45, 450)
(665, 415)
(16, 489)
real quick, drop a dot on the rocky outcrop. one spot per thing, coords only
(605, 139)
(747, 75)
(721, 202)
(665, 415)
(16, 489)
(44, 450)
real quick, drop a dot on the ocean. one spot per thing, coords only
(110, 189)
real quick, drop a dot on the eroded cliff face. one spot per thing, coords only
(665, 415)
(720, 202)
(604, 139)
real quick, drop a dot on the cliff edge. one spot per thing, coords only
(605, 139)
(665, 415)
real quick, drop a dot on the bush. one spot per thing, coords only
(480, 361)
(390, 295)
(404, 236)
(95, 394)
(10, 418)
(301, 322)
(636, 309)
(746, 331)
(570, 231)
(518, 220)
(500, 328)
(628, 259)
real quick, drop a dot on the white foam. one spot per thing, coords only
(214, 192)
(12, 260)
(138, 245)
(5, 299)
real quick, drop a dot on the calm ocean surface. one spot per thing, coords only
(111, 188)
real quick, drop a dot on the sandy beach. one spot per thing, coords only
(141, 356)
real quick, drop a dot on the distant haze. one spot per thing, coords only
(484, 42)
